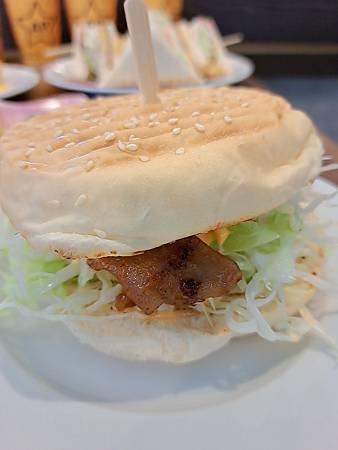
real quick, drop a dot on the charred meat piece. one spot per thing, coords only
(180, 273)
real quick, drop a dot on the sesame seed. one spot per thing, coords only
(135, 120)
(29, 151)
(132, 147)
(70, 144)
(153, 116)
(58, 134)
(75, 131)
(244, 105)
(212, 113)
(49, 148)
(151, 124)
(22, 164)
(90, 165)
(144, 158)
(54, 203)
(227, 119)
(195, 114)
(130, 124)
(199, 127)
(121, 145)
(131, 137)
(176, 131)
(180, 151)
(81, 200)
(109, 136)
(100, 233)
(173, 121)
(157, 123)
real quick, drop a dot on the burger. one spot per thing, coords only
(160, 232)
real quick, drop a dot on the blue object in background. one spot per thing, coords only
(318, 97)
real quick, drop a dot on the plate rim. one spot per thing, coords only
(50, 76)
(22, 70)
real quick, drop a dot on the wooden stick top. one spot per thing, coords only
(139, 31)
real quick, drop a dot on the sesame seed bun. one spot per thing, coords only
(115, 177)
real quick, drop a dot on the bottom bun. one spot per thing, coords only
(176, 337)
(179, 336)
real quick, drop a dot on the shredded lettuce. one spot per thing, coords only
(266, 249)
(46, 285)
(266, 234)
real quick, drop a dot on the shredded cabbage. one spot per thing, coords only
(41, 284)
(267, 251)
(44, 285)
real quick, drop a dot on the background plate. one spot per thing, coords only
(252, 394)
(18, 79)
(56, 72)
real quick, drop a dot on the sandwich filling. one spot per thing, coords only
(180, 273)
(243, 274)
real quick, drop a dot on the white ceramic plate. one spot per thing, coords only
(18, 79)
(57, 74)
(59, 394)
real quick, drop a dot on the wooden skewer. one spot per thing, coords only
(232, 39)
(139, 31)
(61, 50)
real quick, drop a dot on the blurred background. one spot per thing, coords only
(293, 43)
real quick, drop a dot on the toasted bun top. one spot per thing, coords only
(113, 176)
